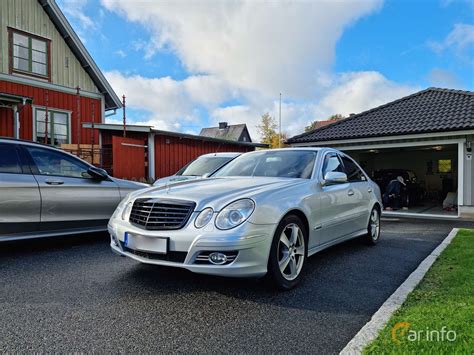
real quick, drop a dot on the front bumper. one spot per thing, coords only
(250, 242)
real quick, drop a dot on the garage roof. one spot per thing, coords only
(430, 110)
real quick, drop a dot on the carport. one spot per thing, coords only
(426, 137)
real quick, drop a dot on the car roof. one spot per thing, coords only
(35, 144)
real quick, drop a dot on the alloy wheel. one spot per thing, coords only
(291, 251)
(374, 224)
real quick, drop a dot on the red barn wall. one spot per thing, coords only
(56, 100)
(172, 153)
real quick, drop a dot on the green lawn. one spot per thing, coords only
(444, 298)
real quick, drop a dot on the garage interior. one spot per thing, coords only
(433, 171)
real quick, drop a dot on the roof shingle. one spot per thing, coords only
(430, 110)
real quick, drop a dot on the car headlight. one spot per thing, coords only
(204, 217)
(235, 214)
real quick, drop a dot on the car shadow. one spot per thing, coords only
(48, 244)
(329, 284)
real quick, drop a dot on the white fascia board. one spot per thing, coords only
(387, 138)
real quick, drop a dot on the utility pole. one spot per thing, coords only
(279, 134)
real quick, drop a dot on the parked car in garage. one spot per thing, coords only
(203, 166)
(413, 193)
(45, 191)
(262, 214)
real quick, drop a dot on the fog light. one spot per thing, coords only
(217, 258)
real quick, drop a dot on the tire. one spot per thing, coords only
(291, 251)
(373, 228)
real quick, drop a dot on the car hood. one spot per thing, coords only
(173, 179)
(218, 192)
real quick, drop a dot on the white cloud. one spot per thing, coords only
(348, 93)
(120, 53)
(250, 51)
(358, 91)
(443, 78)
(264, 46)
(458, 40)
(169, 101)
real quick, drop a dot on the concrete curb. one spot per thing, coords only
(380, 318)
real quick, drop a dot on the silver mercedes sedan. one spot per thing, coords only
(262, 214)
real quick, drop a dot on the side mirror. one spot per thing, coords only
(334, 177)
(97, 173)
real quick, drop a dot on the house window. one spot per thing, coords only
(29, 53)
(58, 127)
(444, 166)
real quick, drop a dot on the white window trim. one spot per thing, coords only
(43, 108)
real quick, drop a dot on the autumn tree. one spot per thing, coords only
(268, 131)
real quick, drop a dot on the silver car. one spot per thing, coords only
(262, 214)
(45, 191)
(202, 166)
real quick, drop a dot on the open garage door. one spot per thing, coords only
(128, 158)
(431, 174)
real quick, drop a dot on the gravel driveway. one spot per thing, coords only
(72, 294)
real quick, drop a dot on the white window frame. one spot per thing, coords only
(51, 109)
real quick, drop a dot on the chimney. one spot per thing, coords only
(222, 125)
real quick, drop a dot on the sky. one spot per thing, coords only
(184, 65)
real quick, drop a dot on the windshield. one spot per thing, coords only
(203, 165)
(285, 164)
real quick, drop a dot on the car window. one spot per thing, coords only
(332, 163)
(352, 171)
(50, 162)
(9, 161)
(203, 165)
(284, 164)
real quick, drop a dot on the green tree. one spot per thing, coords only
(313, 124)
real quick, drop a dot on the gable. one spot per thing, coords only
(71, 64)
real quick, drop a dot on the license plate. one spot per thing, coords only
(158, 245)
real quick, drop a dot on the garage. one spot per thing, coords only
(426, 138)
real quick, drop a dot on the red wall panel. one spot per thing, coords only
(172, 153)
(128, 158)
(89, 107)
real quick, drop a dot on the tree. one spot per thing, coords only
(314, 124)
(268, 131)
(336, 117)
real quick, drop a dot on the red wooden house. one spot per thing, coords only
(49, 83)
(52, 92)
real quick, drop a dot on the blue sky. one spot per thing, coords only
(184, 65)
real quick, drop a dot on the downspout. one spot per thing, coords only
(16, 122)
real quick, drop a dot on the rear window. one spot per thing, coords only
(9, 161)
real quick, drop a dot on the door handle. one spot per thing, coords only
(54, 182)
(369, 189)
(350, 192)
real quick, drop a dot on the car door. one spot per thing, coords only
(335, 202)
(359, 193)
(71, 198)
(20, 200)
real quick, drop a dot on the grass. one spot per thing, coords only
(444, 298)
